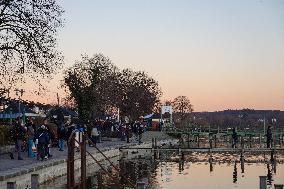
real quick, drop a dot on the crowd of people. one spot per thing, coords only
(37, 140)
(32, 138)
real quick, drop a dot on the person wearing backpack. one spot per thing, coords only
(42, 138)
(61, 134)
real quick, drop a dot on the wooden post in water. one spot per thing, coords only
(262, 182)
(34, 181)
(11, 185)
(141, 185)
(242, 160)
(210, 161)
(210, 141)
(215, 141)
(259, 140)
(198, 140)
(278, 186)
(281, 141)
(187, 140)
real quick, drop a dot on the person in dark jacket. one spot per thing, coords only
(50, 136)
(235, 138)
(61, 134)
(18, 134)
(42, 138)
(268, 137)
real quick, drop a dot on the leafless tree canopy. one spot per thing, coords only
(28, 37)
(182, 105)
(97, 85)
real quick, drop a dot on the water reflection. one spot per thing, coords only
(178, 170)
(235, 173)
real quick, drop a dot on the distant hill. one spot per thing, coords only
(246, 118)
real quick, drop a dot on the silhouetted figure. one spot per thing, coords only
(269, 175)
(268, 137)
(234, 138)
(18, 134)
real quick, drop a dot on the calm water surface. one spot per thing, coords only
(171, 173)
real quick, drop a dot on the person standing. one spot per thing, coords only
(127, 132)
(94, 135)
(268, 137)
(49, 136)
(31, 136)
(61, 134)
(18, 133)
(140, 130)
(42, 138)
(235, 138)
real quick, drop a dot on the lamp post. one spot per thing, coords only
(19, 93)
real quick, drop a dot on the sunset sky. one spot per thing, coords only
(222, 54)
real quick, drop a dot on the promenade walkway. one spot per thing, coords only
(12, 167)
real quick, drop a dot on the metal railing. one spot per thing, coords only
(70, 161)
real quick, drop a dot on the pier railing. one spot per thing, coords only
(71, 161)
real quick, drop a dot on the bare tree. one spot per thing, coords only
(28, 38)
(182, 107)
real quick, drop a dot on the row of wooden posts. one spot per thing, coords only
(213, 140)
(34, 183)
(262, 181)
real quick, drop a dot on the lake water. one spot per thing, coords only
(169, 172)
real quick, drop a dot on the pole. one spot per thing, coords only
(278, 186)
(70, 162)
(83, 162)
(262, 182)
(34, 181)
(11, 185)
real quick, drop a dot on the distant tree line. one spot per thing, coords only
(242, 119)
(97, 86)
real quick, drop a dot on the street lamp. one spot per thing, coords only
(19, 93)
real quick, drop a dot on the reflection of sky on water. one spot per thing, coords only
(225, 172)
(223, 176)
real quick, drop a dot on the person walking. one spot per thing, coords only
(61, 135)
(31, 136)
(269, 137)
(18, 134)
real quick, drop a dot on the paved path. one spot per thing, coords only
(17, 167)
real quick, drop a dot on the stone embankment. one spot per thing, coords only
(21, 170)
